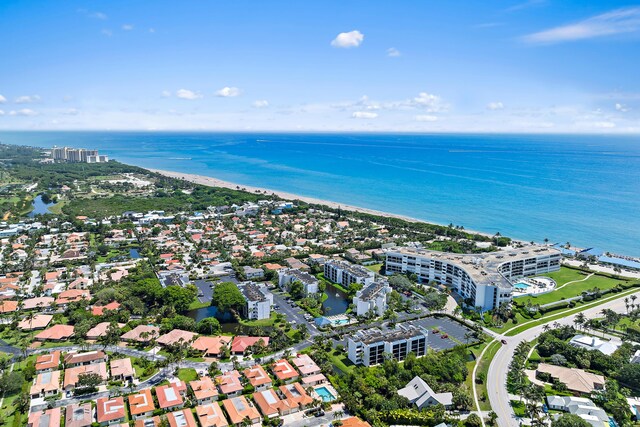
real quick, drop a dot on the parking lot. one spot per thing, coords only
(292, 312)
(454, 331)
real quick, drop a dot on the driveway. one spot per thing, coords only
(497, 375)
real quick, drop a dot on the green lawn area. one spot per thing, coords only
(572, 290)
(261, 323)
(341, 361)
(565, 275)
(483, 368)
(187, 374)
(518, 408)
(57, 208)
(374, 267)
(196, 304)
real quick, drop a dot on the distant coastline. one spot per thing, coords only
(215, 182)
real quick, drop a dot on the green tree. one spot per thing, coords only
(209, 325)
(227, 297)
(88, 383)
(569, 420)
(178, 297)
(11, 382)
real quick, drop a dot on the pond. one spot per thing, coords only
(133, 253)
(228, 323)
(336, 303)
(39, 207)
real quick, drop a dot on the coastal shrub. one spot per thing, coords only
(430, 417)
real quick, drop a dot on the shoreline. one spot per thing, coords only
(215, 182)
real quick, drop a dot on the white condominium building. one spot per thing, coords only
(372, 298)
(345, 273)
(368, 347)
(287, 276)
(485, 278)
(258, 301)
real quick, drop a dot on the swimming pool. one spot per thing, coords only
(521, 285)
(325, 394)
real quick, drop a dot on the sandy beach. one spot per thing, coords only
(214, 182)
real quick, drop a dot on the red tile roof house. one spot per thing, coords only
(241, 344)
(204, 390)
(182, 418)
(55, 333)
(72, 359)
(296, 394)
(141, 404)
(72, 295)
(169, 398)
(258, 378)
(72, 375)
(211, 346)
(48, 362)
(211, 415)
(229, 383)
(137, 334)
(99, 310)
(306, 365)
(39, 321)
(110, 411)
(271, 405)
(46, 384)
(100, 330)
(284, 371)
(176, 336)
(148, 422)
(240, 408)
(78, 415)
(48, 418)
(122, 369)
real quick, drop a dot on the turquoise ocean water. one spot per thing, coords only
(576, 188)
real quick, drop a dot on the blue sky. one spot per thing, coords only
(417, 66)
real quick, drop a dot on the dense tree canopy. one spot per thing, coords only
(227, 297)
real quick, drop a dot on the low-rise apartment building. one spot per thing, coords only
(345, 273)
(368, 347)
(289, 275)
(258, 301)
(372, 298)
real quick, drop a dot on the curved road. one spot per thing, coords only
(497, 375)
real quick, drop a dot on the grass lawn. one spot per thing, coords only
(57, 208)
(483, 368)
(341, 361)
(518, 408)
(262, 323)
(565, 275)
(187, 374)
(374, 267)
(197, 304)
(572, 290)
(140, 370)
(7, 412)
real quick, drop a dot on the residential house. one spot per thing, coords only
(141, 334)
(306, 365)
(594, 343)
(55, 333)
(169, 397)
(239, 409)
(204, 390)
(176, 336)
(183, 418)
(283, 370)
(241, 344)
(72, 375)
(110, 411)
(48, 362)
(78, 415)
(122, 369)
(229, 383)
(47, 418)
(211, 346)
(72, 359)
(418, 392)
(141, 404)
(39, 321)
(577, 380)
(46, 384)
(258, 377)
(211, 415)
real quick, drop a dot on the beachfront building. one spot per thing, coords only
(345, 273)
(372, 299)
(289, 275)
(258, 301)
(368, 347)
(77, 155)
(484, 280)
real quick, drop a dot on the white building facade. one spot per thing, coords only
(258, 301)
(369, 347)
(287, 276)
(345, 273)
(372, 298)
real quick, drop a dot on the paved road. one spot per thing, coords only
(497, 375)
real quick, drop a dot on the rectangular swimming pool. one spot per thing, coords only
(325, 394)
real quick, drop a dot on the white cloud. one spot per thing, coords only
(99, 15)
(127, 27)
(393, 52)
(618, 21)
(188, 94)
(228, 92)
(152, 30)
(71, 112)
(431, 103)
(364, 115)
(1, 113)
(166, 94)
(426, 118)
(346, 40)
(107, 33)
(525, 5)
(493, 106)
(604, 125)
(621, 107)
(261, 103)
(27, 99)
(2, 99)
(23, 112)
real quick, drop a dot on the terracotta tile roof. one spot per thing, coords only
(100, 329)
(182, 418)
(296, 394)
(8, 306)
(283, 370)
(168, 396)
(204, 388)
(48, 361)
(39, 321)
(55, 333)
(211, 345)
(73, 295)
(270, 403)
(122, 367)
(257, 376)
(78, 415)
(240, 343)
(211, 415)
(306, 365)
(240, 408)
(148, 422)
(141, 402)
(98, 310)
(175, 336)
(355, 422)
(89, 356)
(38, 302)
(135, 333)
(72, 375)
(48, 418)
(229, 382)
(46, 382)
(110, 409)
